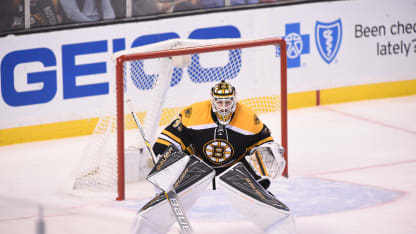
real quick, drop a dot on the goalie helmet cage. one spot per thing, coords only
(172, 57)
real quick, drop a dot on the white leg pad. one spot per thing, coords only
(157, 216)
(141, 225)
(252, 200)
(283, 226)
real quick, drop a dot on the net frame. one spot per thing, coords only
(120, 60)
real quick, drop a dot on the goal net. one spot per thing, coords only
(156, 81)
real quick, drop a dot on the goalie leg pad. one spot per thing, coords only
(168, 168)
(283, 226)
(251, 199)
(142, 225)
(156, 216)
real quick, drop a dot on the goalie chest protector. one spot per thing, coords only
(197, 132)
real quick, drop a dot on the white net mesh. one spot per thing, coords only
(159, 88)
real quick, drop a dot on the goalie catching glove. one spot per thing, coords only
(268, 160)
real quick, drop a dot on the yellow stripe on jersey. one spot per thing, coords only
(270, 138)
(175, 138)
(163, 142)
(200, 114)
(167, 143)
(246, 119)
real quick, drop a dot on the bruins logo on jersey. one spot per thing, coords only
(188, 112)
(218, 151)
(256, 120)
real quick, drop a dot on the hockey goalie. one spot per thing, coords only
(211, 142)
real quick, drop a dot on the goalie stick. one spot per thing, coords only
(146, 141)
(170, 195)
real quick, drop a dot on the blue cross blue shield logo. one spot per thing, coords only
(297, 45)
(328, 39)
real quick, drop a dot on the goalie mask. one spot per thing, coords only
(223, 100)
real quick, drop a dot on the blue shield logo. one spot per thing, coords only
(328, 39)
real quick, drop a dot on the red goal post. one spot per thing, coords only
(155, 82)
(187, 51)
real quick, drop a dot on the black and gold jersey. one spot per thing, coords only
(197, 132)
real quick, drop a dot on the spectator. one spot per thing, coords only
(221, 3)
(45, 12)
(91, 10)
(186, 5)
(42, 13)
(9, 10)
(142, 7)
(149, 7)
(119, 8)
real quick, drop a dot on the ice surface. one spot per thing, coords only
(352, 170)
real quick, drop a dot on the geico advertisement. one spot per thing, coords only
(66, 75)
